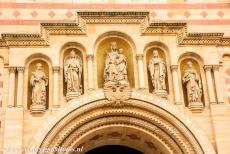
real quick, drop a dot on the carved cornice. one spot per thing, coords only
(117, 17)
(129, 17)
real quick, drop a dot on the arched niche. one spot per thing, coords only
(198, 65)
(163, 51)
(81, 53)
(102, 47)
(225, 70)
(1, 80)
(29, 68)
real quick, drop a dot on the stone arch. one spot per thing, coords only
(165, 54)
(198, 63)
(159, 125)
(29, 65)
(81, 52)
(101, 46)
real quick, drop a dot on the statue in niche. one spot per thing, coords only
(192, 81)
(116, 66)
(157, 69)
(38, 81)
(72, 74)
(116, 84)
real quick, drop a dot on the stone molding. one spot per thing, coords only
(116, 17)
(157, 111)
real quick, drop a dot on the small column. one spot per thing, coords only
(20, 86)
(90, 72)
(220, 98)
(174, 69)
(211, 93)
(11, 93)
(56, 101)
(140, 58)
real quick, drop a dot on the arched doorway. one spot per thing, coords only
(113, 149)
(146, 123)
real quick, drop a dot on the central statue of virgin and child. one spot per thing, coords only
(115, 71)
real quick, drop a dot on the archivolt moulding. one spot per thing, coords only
(151, 112)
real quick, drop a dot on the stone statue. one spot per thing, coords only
(192, 81)
(73, 74)
(157, 69)
(116, 85)
(38, 81)
(116, 66)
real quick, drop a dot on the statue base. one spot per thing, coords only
(37, 109)
(196, 107)
(161, 93)
(72, 95)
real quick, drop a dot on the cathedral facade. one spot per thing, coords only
(114, 78)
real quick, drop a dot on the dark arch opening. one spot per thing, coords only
(113, 149)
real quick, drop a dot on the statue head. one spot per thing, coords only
(189, 64)
(155, 53)
(113, 45)
(121, 51)
(72, 54)
(38, 66)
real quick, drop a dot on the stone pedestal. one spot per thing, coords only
(37, 108)
(72, 95)
(161, 93)
(196, 107)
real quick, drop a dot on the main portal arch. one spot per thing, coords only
(145, 122)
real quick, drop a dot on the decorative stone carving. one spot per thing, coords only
(116, 85)
(38, 81)
(157, 69)
(73, 74)
(192, 81)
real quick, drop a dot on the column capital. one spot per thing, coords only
(207, 67)
(139, 57)
(56, 68)
(174, 67)
(90, 57)
(12, 69)
(216, 67)
(20, 69)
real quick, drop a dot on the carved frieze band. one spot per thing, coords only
(129, 17)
